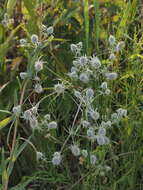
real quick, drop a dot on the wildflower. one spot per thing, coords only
(23, 75)
(56, 160)
(75, 150)
(102, 131)
(89, 93)
(94, 115)
(27, 115)
(90, 133)
(38, 88)
(33, 123)
(38, 65)
(79, 45)
(100, 139)
(34, 109)
(104, 85)
(93, 159)
(74, 69)
(122, 112)
(17, 110)
(77, 94)
(85, 123)
(52, 125)
(114, 117)
(73, 47)
(39, 156)
(73, 75)
(34, 39)
(111, 76)
(23, 42)
(47, 117)
(59, 88)
(112, 40)
(84, 153)
(107, 91)
(105, 124)
(84, 77)
(83, 60)
(95, 62)
(120, 46)
(50, 30)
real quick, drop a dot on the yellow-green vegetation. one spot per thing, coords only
(71, 95)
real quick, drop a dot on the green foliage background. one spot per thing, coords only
(89, 21)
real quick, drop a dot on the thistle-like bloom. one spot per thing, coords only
(23, 75)
(91, 133)
(56, 160)
(50, 30)
(104, 85)
(23, 42)
(17, 110)
(84, 77)
(112, 40)
(75, 150)
(95, 62)
(94, 114)
(34, 39)
(27, 115)
(38, 88)
(38, 66)
(111, 76)
(52, 125)
(59, 88)
(89, 93)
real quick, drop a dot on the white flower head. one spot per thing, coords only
(50, 30)
(27, 115)
(102, 131)
(34, 123)
(75, 150)
(39, 156)
(73, 75)
(23, 75)
(107, 91)
(120, 46)
(23, 42)
(83, 60)
(52, 125)
(84, 77)
(112, 40)
(17, 110)
(95, 62)
(91, 133)
(38, 88)
(104, 85)
(85, 123)
(34, 39)
(121, 112)
(100, 139)
(38, 66)
(59, 88)
(89, 93)
(111, 76)
(94, 114)
(56, 160)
